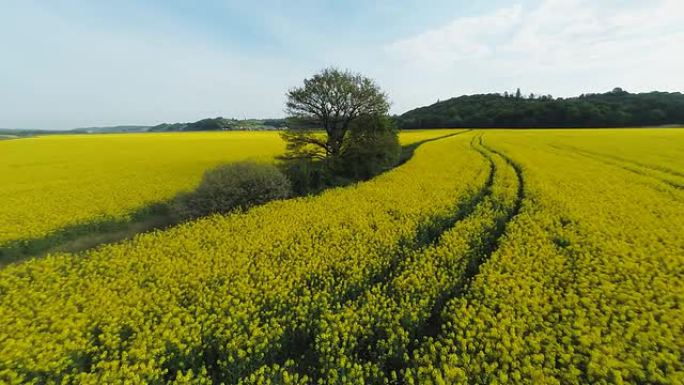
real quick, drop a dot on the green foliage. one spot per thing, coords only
(331, 100)
(233, 186)
(307, 176)
(304, 143)
(371, 147)
(357, 140)
(617, 108)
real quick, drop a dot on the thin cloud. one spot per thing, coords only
(91, 63)
(552, 34)
(464, 38)
(563, 47)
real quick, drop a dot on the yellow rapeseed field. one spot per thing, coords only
(588, 283)
(55, 181)
(51, 182)
(491, 256)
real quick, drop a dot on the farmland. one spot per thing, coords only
(79, 178)
(490, 256)
(82, 179)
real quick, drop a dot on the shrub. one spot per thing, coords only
(308, 176)
(233, 186)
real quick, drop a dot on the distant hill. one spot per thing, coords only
(83, 130)
(221, 124)
(211, 124)
(616, 108)
(111, 129)
(15, 132)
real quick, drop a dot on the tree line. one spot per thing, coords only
(221, 124)
(617, 108)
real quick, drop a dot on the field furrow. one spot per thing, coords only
(223, 294)
(368, 339)
(490, 256)
(669, 178)
(85, 184)
(570, 296)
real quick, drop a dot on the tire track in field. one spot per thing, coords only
(431, 325)
(664, 170)
(297, 343)
(519, 176)
(478, 250)
(616, 162)
(302, 349)
(408, 150)
(366, 348)
(491, 241)
(431, 230)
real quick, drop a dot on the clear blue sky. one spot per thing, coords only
(68, 64)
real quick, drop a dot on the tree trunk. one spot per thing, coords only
(334, 143)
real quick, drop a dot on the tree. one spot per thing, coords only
(618, 91)
(518, 94)
(372, 147)
(331, 100)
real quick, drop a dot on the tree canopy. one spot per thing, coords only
(338, 131)
(617, 108)
(330, 100)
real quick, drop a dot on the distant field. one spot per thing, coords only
(54, 181)
(414, 136)
(491, 256)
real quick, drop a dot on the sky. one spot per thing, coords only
(82, 63)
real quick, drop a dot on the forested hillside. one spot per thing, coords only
(221, 124)
(617, 108)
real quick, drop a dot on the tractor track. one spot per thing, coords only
(297, 343)
(633, 167)
(480, 250)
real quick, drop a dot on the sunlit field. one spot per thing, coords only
(55, 181)
(490, 256)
